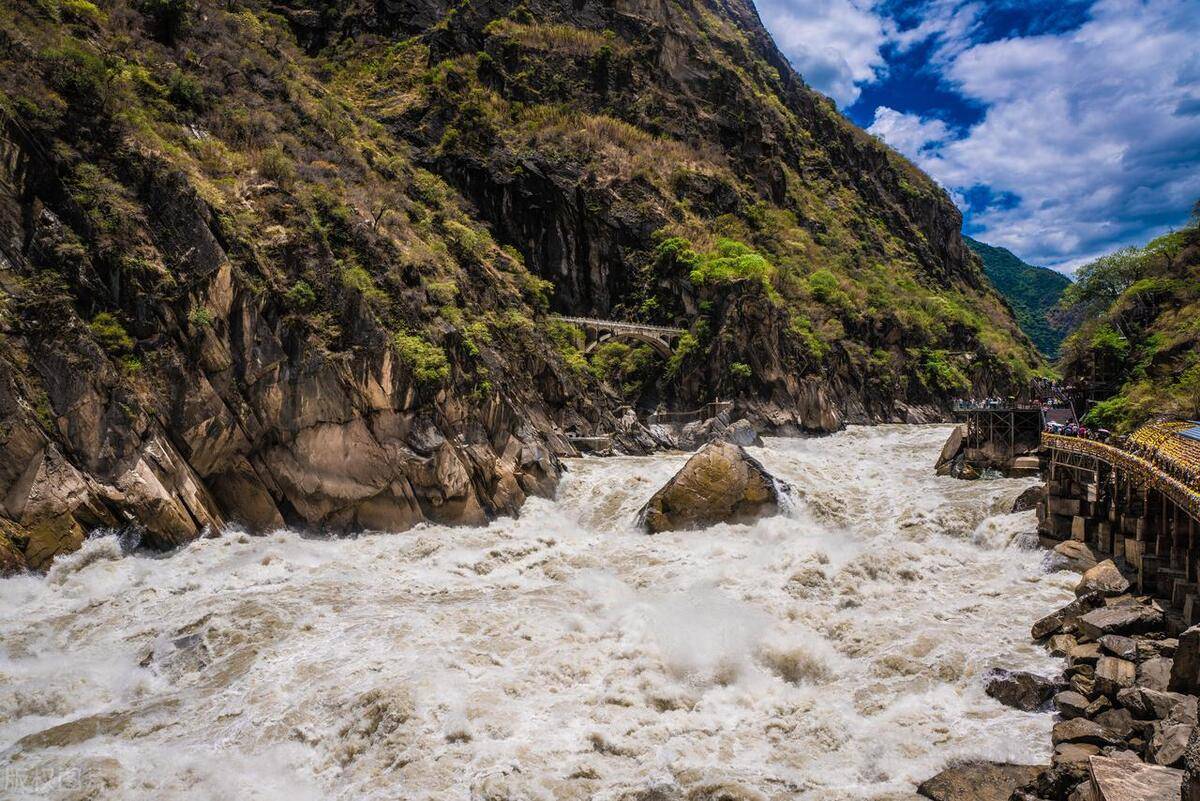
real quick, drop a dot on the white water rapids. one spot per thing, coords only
(838, 652)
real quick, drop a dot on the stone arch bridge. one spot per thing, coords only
(660, 338)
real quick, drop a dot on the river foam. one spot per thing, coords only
(837, 652)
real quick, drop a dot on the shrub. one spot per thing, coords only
(185, 91)
(200, 317)
(732, 261)
(740, 371)
(275, 165)
(685, 347)
(426, 360)
(938, 373)
(1109, 413)
(300, 296)
(111, 335)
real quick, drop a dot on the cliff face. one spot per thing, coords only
(288, 263)
(657, 161)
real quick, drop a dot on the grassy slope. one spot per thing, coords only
(846, 251)
(1033, 293)
(1139, 347)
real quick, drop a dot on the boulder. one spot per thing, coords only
(1074, 753)
(717, 429)
(1155, 673)
(1115, 644)
(1147, 704)
(1168, 743)
(1054, 622)
(1191, 768)
(1071, 555)
(1185, 672)
(1071, 704)
(1020, 690)
(1105, 579)
(1061, 644)
(1028, 499)
(1149, 649)
(1118, 721)
(1114, 675)
(1128, 618)
(1086, 653)
(1126, 778)
(978, 781)
(1082, 730)
(720, 484)
(951, 450)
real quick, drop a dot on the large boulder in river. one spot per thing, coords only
(720, 484)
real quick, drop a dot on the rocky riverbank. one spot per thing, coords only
(1126, 701)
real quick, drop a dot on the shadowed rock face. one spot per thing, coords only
(720, 484)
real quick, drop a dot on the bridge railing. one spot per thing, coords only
(617, 325)
(682, 418)
(1184, 490)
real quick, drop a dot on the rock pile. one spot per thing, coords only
(1126, 702)
(1124, 732)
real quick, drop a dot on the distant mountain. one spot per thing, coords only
(1033, 292)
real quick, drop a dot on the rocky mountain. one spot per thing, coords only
(1032, 292)
(1137, 353)
(290, 263)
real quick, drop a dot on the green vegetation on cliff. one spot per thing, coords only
(1033, 293)
(1138, 350)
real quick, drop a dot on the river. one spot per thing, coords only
(836, 652)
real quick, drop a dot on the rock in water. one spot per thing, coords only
(978, 781)
(720, 484)
(950, 451)
(1071, 555)
(1020, 690)
(1028, 499)
(1105, 579)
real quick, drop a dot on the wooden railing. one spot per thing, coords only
(682, 418)
(1185, 494)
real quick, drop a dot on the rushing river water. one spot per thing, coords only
(837, 652)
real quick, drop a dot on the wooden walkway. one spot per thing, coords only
(1083, 453)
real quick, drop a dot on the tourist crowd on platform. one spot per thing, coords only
(1164, 451)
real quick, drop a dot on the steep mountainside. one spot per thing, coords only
(1138, 351)
(288, 263)
(1032, 292)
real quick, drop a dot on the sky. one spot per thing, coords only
(1063, 129)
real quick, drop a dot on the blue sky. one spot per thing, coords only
(1063, 129)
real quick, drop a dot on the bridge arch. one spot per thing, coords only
(660, 338)
(657, 343)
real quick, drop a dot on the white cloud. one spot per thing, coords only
(909, 133)
(835, 44)
(1097, 130)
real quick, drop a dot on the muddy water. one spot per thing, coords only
(836, 652)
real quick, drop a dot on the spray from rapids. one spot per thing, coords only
(837, 652)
